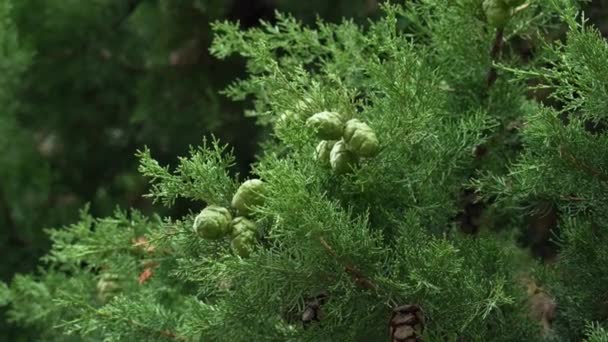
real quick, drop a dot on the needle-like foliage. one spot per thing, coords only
(446, 96)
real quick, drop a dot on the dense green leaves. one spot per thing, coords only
(203, 176)
(388, 233)
(596, 333)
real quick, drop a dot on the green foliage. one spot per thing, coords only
(583, 273)
(424, 79)
(564, 162)
(202, 177)
(596, 333)
(64, 295)
(84, 85)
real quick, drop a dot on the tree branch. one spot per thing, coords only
(581, 165)
(494, 55)
(359, 278)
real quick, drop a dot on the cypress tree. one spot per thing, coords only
(408, 232)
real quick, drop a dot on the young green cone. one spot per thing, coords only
(323, 150)
(243, 244)
(243, 236)
(213, 222)
(498, 12)
(341, 158)
(361, 139)
(241, 225)
(249, 194)
(327, 125)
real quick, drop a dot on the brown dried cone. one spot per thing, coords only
(407, 324)
(542, 306)
(312, 312)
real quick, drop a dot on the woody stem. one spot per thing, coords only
(494, 55)
(360, 279)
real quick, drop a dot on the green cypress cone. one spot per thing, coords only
(361, 139)
(213, 222)
(497, 12)
(248, 195)
(341, 159)
(327, 125)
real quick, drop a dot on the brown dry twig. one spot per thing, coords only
(494, 55)
(570, 158)
(498, 46)
(359, 278)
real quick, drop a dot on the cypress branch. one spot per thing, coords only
(373, 220)
(358, 277)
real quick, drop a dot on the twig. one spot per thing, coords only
(494, 55)
(360, 279)
(497, 47)
(574, 161)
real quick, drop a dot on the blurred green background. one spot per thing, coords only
(84, 84)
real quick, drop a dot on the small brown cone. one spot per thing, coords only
(145, 275)
(312, 312)
(542, 306)
(407, 324)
